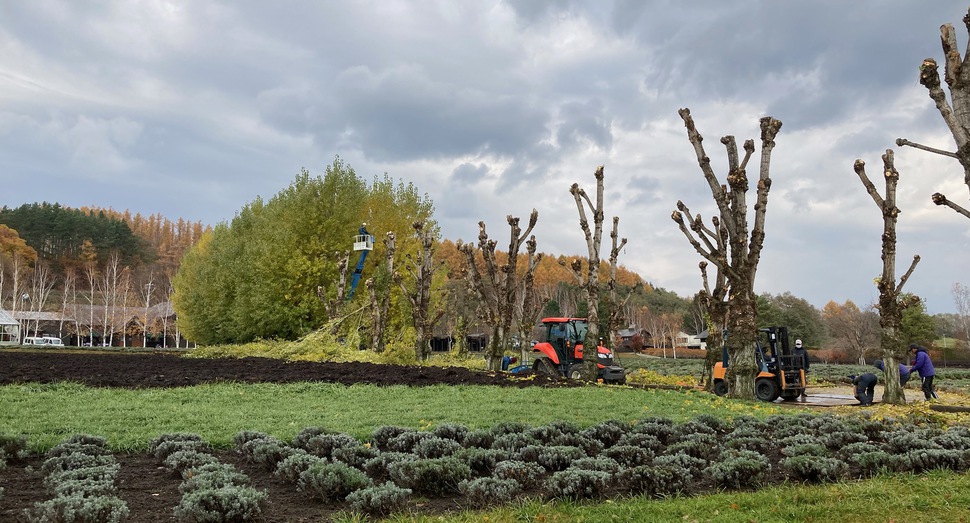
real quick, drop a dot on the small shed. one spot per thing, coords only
(9, 329)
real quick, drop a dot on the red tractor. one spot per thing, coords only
(559, 352)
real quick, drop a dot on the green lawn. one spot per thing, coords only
(46, 414)
(937, 497)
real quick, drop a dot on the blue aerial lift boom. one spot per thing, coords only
(364, 243)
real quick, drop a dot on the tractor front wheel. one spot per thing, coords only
(545, 367)
(766, 389)
(576, 371)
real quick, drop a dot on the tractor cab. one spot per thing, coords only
(559, 351)
(781, 372)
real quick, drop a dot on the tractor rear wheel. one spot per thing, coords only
(766, 389)
(720, 388)
(545, 367)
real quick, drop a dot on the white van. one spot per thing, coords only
(53, 341)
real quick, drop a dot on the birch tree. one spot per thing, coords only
(670, 324)
(730, 245)
(956, 111)
(892, 301)
(91, 275)
(146, 293)
(41, 284)
(498, 284)
(590, 282)
(961, 298)
(112, 290)
(69, 302)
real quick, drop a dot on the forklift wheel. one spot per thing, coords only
(766, 389)
(720, 388)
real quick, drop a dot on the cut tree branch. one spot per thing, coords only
(902, 142)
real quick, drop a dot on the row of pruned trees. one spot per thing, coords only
(732, 249)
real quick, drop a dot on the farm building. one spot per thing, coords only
(9, 329)
(98, 325)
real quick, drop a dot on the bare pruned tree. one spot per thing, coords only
(497, 284)
(380, 305)
(729, 246)
(335, 304)
(532, 303)
(422, 269)
(892, 302)
(956, 112)
(617, 305)
(590, 282)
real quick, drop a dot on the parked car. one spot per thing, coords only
(51, 341)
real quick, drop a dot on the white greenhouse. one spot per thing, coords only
(9, 329)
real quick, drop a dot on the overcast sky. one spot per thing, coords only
(192, 109)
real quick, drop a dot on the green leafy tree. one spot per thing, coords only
(259, 276)
(803, 320)
(917, 326)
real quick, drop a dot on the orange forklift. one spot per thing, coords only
(782, 372)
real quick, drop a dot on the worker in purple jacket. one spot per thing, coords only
(924, 367)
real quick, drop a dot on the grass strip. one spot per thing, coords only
(47, 413)
(933, 497)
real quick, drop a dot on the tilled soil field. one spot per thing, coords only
(150, 490)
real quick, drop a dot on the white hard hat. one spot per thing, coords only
(798, 343)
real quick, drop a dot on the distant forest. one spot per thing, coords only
(66, 240)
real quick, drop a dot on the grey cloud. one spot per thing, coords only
(584, 121)
(402, 113)
(466, 173)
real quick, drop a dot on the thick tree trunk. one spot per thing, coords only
(496, 349)
(742, 336)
